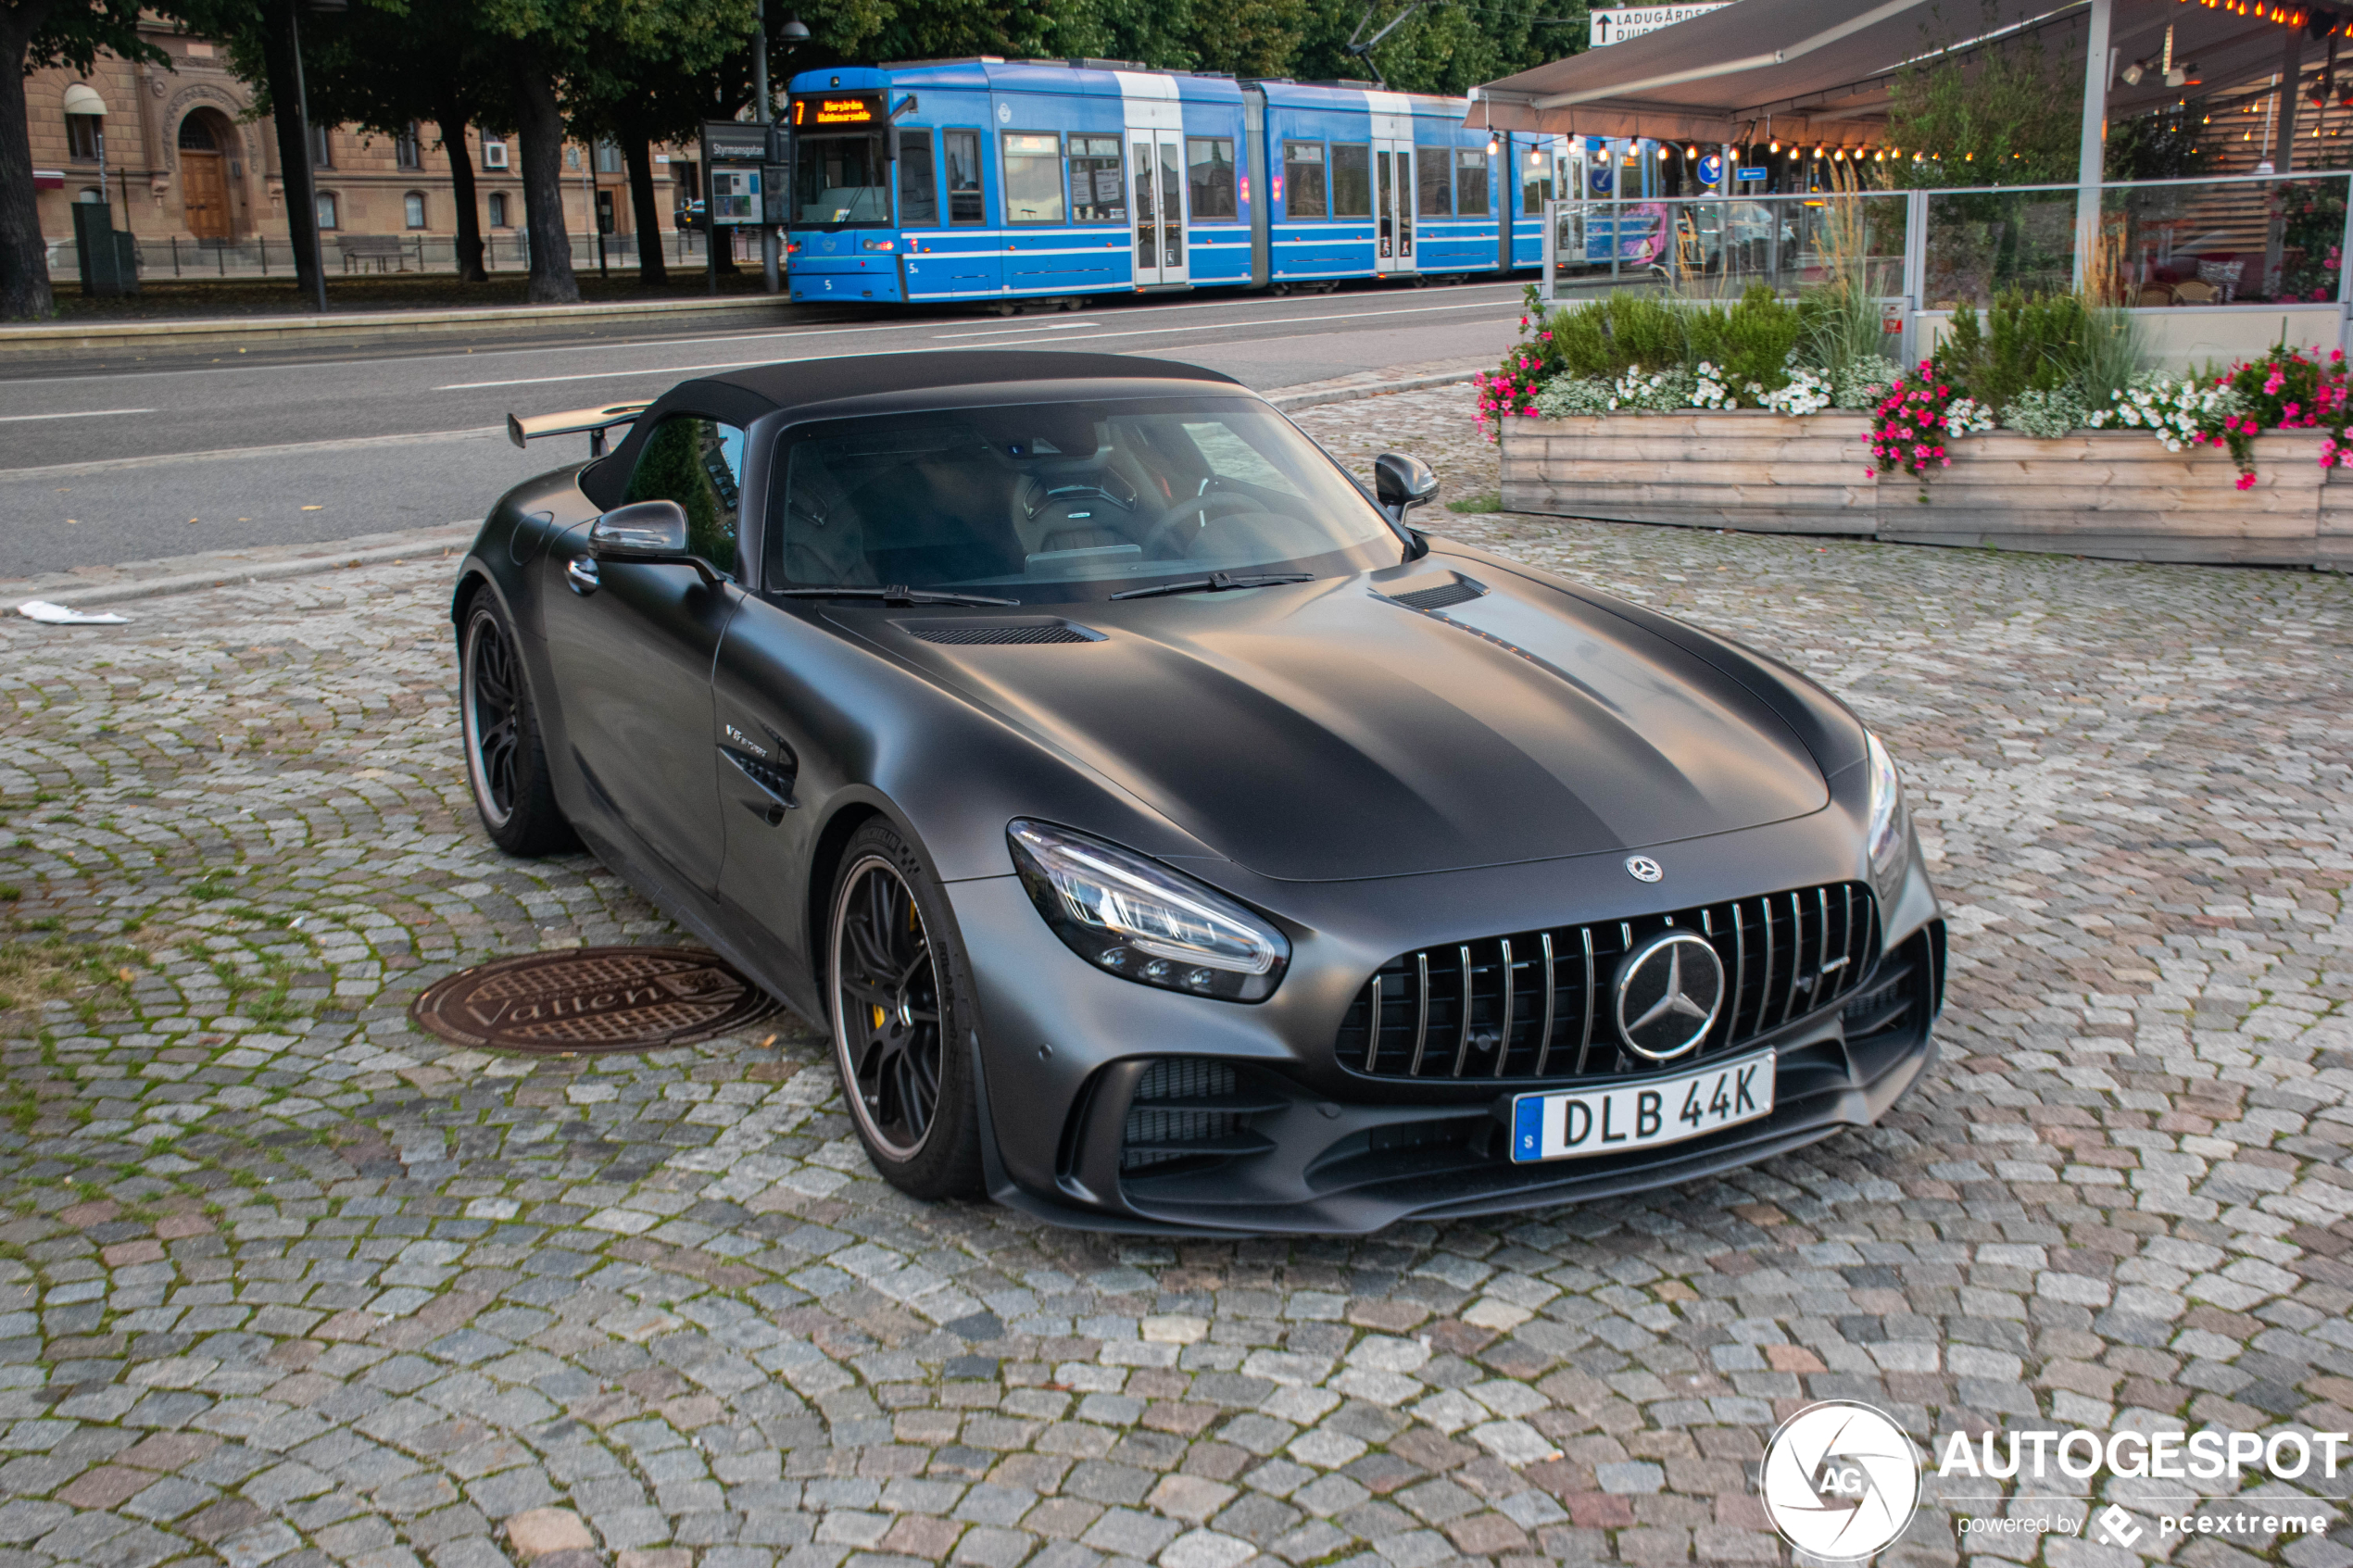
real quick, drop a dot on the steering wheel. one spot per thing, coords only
(1213, 495)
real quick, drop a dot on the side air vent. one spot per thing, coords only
(965, 633)
(1460, 591)
(1189, 1113)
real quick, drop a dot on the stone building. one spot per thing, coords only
(185, 161)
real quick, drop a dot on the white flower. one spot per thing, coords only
(1807, 393)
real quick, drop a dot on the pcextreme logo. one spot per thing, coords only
(1841, 1480)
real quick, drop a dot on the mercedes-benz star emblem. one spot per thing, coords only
(1641, 867)
(1669, 990)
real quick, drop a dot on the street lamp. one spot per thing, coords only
(795, 31)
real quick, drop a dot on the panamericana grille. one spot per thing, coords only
(1537, 1004)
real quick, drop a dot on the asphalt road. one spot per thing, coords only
(113, 464)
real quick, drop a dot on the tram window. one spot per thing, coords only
(1436, 190)
(1098, 187)
(839, 179)
(1352, 180)
(1033, 177)
(1536, 184)
(963, 148)
(918, 187)
(1470, 183)
(1210, 161)
(1304, 194)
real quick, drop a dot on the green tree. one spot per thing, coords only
(35, 33)
(2007, 114)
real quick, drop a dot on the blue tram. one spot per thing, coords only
(984, 180)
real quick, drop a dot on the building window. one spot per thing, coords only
(327, 209)
(493, 152)
(408, 148)
(608, 158)
(412, 207)
(1304, 194)
(322, 147)
(572, 158)
(82, 136)
(1210, 161)
(1033, 177)
(1098, 188)
(497, 209)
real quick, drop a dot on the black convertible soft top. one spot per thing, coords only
(863, 383)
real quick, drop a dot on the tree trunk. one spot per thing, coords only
(24, 255)
(541, 132)
(451, 117)
(639, 153)
(294, 158)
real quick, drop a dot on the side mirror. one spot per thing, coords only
(1402, 483)
(648, 534)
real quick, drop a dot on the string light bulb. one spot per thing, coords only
(1774, 148)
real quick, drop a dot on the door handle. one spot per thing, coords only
(581, 572)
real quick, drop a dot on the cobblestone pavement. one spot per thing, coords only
(282, 1281)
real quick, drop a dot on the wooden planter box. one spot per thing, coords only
(2112, 494)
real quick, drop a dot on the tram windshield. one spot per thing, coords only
(840, 176)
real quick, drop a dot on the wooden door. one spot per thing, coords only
(203, 194)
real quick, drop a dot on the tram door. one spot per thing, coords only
(1156, 175)
(1156, 193)
(1394, 191)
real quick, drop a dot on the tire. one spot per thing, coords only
(899, 995)
(505, 763)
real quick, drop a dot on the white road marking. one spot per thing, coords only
(291, 448)
(1000, 332)
(281, 367)
(80, 414)
(994, 343)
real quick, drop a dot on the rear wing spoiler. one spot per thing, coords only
(594, 421)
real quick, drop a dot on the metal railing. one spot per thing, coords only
(270, 256)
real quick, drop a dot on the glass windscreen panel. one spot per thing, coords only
(2186, 244)
(839, 179)
(1061, 501)
(1720, 245)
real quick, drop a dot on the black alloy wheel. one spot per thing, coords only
(504, 762)
(894, 1017)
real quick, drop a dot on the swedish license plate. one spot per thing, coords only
(1575, 1122)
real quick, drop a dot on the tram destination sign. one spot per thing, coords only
(838, 108)
(1619, 23)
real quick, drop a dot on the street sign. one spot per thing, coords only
(1755, 174)
(1711, 170)
(733, 141)
(1600, 179)
(1619, 23)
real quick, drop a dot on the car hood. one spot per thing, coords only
(1325, 732)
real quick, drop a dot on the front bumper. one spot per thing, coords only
(1112, 1105)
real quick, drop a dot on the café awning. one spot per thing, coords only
(1817, 70)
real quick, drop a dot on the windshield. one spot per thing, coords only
(1059, 501)
(837, 181)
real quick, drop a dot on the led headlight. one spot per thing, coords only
(1890, 840)
(1136, 918)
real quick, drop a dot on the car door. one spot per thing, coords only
(631, 646)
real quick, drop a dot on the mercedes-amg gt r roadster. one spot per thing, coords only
(1170, 836)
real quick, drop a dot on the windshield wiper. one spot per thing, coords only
(1216, 581)
(897, 594)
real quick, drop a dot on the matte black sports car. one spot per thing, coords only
(1169, 836)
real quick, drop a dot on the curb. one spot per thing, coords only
(456, 537)
(374, 323)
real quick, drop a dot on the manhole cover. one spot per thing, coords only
(592, 1000)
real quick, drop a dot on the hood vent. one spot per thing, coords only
(967, 633)
(1462, 590)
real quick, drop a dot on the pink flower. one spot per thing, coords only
(2246, 481)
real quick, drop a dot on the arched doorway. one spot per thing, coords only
(203, 175)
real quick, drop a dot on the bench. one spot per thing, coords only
(378, 249)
